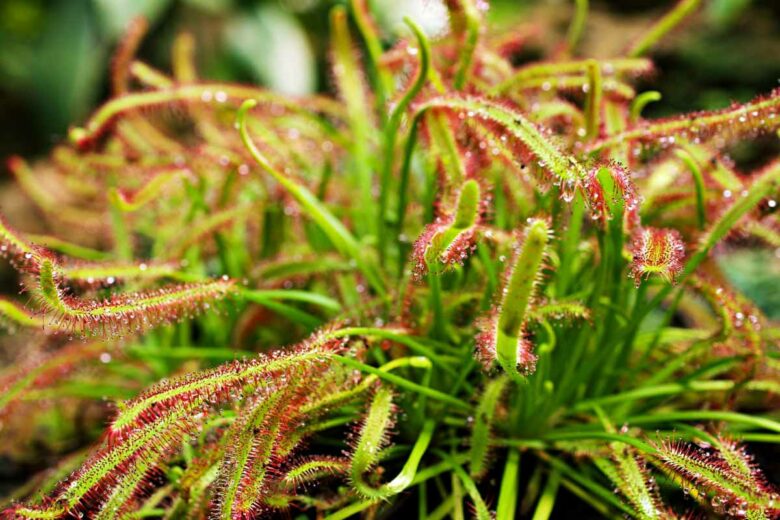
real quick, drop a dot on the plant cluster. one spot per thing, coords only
(558, 328)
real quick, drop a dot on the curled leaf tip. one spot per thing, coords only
(449, 240)
(657, 252)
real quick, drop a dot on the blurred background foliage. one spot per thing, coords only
(55, 54)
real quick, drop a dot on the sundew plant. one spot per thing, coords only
(457, 288)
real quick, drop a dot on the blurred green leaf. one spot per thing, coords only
(65, 75)
(724, 13)
(21, 17)
(757, 274)
(274, 46)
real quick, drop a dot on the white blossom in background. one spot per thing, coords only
(430, 15)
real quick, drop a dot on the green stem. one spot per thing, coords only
(546, 502)
(349, 78)
(420, 362)
(698, 183)
(351, 510)
(593, 100)
(466, 53)
(566, 436)
(403, 186)
(707, 415)
(507, 496)
(438, 328)
(341, 238)
(480, 507)
(383, 80)
(439, 468)
(663, 26)
(392, 127)
(262, 296)
(399, 337)
(122, 245)
(594, 487)
(577, 24)
(664, 390)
